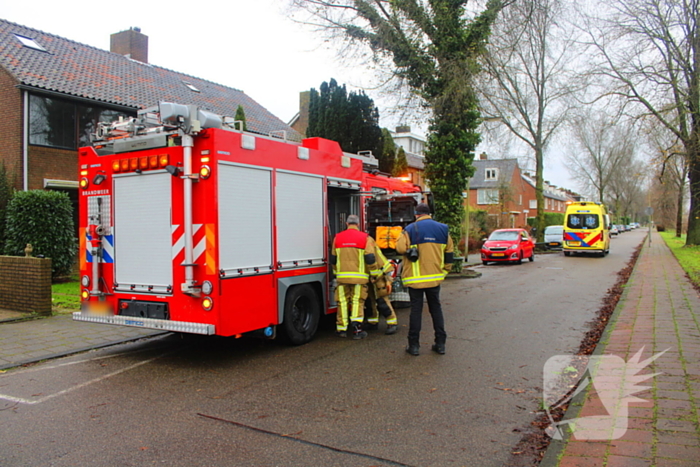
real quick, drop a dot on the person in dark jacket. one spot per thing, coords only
(423, 275)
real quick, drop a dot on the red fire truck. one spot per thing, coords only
(190, 225)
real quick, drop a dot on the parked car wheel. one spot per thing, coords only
(485, 262)
(532, 257)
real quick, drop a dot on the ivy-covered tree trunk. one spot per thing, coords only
(435, 47)
(449, 157)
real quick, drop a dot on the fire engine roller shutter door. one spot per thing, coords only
(143, 232)
(245, 219)
(300, 219)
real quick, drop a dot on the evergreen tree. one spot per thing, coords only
(350, 119)
(240, 116)
(401, 165)
(387, 156)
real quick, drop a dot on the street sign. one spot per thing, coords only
(649, 211)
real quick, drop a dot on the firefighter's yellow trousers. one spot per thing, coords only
(351, 303)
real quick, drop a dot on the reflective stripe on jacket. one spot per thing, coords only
(352, 256)
(435, 253)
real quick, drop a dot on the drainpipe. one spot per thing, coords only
(25, 142)
(188, 285)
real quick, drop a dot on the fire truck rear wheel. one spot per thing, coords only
(301, 314)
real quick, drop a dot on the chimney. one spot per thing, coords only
(483, 156)
(131, 43)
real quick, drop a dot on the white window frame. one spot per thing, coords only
(533, 204)
(487, 196)
(491, 174)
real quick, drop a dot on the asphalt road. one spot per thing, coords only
(333, 402)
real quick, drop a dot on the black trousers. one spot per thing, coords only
(432, 295)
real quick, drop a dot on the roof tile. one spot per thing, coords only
(79, 70)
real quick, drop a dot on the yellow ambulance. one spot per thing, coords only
(586, 228)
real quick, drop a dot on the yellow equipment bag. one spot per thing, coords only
(387, 236)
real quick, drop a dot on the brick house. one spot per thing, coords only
(414, 147)
(53, 91)
(507, 194)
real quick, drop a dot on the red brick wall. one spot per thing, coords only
(60, 164)
(25, 284)
(11, 128)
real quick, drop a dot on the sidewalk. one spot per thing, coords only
(29, 341)
(659, 310)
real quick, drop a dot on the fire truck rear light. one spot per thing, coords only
(143, 163)
(85, 281)
(85, 294)
(153, 162)
(125, 165)
(207, 287)
(207, 303)
(83, 172)
(163, 160)
(84, 183)
(204, 160)
(204, 172)
(133, 163)
(116, 166)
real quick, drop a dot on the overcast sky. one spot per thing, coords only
(251, 45)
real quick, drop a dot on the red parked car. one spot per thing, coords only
(508, 245)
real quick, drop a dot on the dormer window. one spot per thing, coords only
(491, 174)
(191, 87)
(29, 42)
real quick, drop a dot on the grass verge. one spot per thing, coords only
(687, 256)
(65, 295)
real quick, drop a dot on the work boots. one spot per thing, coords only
(391, 329)
(357, 332)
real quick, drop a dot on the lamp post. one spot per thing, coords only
(466, 224)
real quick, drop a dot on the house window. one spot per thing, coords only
(486, 196)
(64, 124)
(29, 42)
(51, 122)
(491, 174)
(533, 204)
(191, 87)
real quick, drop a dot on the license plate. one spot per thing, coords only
(498, 254)
(554, 243)
(574, 243)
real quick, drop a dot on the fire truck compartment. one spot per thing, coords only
(300, 219)
(143, 232)
(244, 251)
(143, 309)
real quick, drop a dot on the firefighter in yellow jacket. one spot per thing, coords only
(428, 256)
(378, 299)
(354, 262)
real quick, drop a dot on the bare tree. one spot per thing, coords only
(603, 148)
(626, 192)
(528, 62)
(669, 169)
(648, 53)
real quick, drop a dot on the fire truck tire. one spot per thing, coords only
(301, 314)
